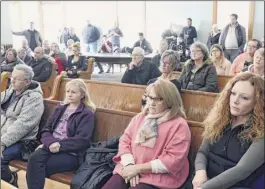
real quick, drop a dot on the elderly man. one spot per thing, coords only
(26, 47)
(41, 66)
(140, 71)
(22, 55)
(21, 110)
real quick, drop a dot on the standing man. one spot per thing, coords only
(90, 37)
(115, 35)
(189, 32)
(72, 35)
(33, 36)
(233, 38)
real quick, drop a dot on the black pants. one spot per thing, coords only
(43, 163)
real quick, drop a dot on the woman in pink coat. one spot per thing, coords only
(153, 151)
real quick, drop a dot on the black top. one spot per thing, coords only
(33, 43)
(142, 74)
(80, 65)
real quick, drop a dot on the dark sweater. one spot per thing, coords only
(142, 74)
(42, 69)
(80, 126)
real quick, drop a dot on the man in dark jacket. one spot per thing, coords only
(91, 35)
(42, 68)
(140, 71)
(233, 38)
(33, 36)
(143, 43)
(189, 32)
(72, 35)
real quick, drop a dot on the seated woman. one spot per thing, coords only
(198, 73)
(232, 152)
(170, 60)
(258, 66)
(218, 59)
(153, 151)
(76, 62)
(10, 61)
(65, 137)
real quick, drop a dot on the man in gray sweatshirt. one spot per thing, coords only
(21, 110)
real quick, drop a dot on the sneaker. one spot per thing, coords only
(100, 72)
(14, 183)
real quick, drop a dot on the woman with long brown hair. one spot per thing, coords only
(218, 59)
(232, 152)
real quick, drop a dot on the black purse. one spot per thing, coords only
(28, 147)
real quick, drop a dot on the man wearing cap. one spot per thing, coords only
(140, 71)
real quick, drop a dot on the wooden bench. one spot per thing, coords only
(127, 97)
(109, 123)
(222, 79)
(87, 74)
(4, 81)
(45, 86)
(48, 85)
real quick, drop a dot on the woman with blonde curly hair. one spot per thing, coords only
(232, 152)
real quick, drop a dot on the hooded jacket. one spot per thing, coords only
(21, 115)
(205, 78)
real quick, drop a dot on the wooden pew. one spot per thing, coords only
(87, 74)
(222, 79)
(4, 81)
(110, 123)
(127, 97)
(45, 86)
(48, 85)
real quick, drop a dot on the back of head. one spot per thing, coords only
(220, 116)
(170, 94)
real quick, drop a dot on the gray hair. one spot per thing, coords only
(173, 57)
(28, 72)
(203, 48)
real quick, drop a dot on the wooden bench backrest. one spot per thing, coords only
(87, 74)
(110, 95)
(110, 123)
(126, 97)
(4, 81)
(48, 85)
(222, 79)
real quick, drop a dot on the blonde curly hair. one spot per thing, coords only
(220, 116)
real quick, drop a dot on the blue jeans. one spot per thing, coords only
(92, 47)
(42, 163)
(10, 153)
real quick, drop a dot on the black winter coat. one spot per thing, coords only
(98, 165)
(142, 74)
(205, 79)
(42, 69)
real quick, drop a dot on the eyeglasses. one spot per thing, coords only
(196, 51)
(155, 99)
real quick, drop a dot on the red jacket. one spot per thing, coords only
(60, 66)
